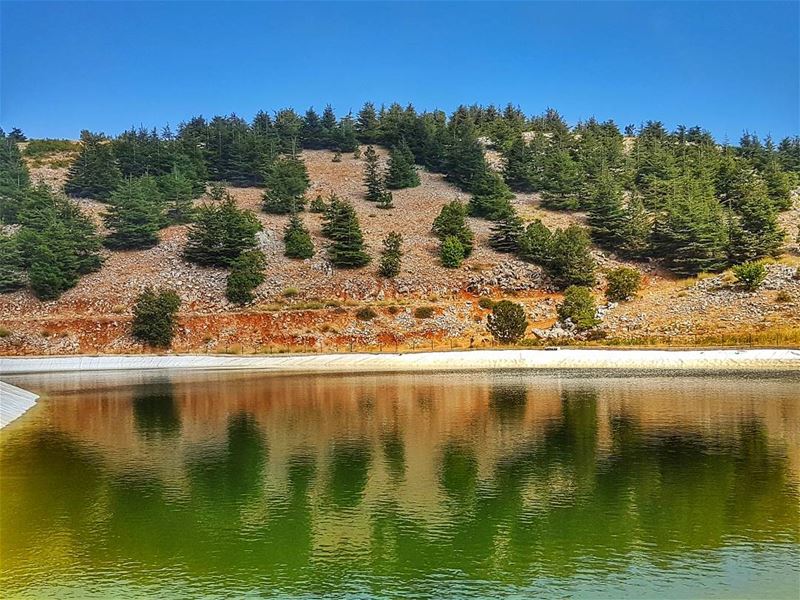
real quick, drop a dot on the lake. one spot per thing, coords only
(469, 485)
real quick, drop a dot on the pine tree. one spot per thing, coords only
(534, 244)
(11, 271)
(14, 179)
(756, 232)
(451, 221)
(52, 268)
(313, 131)
(506, 233)
(220, 233)
(367, 125)
(317, 205)
(386, 200)
(561, 177)
(347, 249)
(286, 182)
(516, 168)
(246, 274)
(135, 215)
(507, 323)
(636, 229)
(490, 198)
(401, 172)
(570, 261)
(95, 173)
(464, 162)
(451, 252)
(606, 212)
(297, 240)
(779, 187)
(178, 193)
(373, 179)
(391, 255)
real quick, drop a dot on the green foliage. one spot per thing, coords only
(178, 193)
(750, 275)
(636, 229)
(464, 163)
(507, 323)
(579, 307)
(623, 283)
(220, 233)
(367, 124)
(506, 233)
(154, 316)
(95, 173)
(391, 255)
(561, 177)
(337, 157)
(365, 314)
(246, 274)
(135, 214)
(14, 179)
(606, 212)
(569, 260)
(296, 239)
(11, 264)
(373, 180)
(451, 221)
(317, 205)
(386, 200)
(45, 147)
(490, 197)
(754, 229)
(217, 191)
(401, 172)
(451, 252)
(341, 226)
(534, 243)
(486, 303)
(287, 182)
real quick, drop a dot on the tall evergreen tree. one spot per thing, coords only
(178, 192)
(246, 274)
(570, 261)
(452, 252)
(506, 233)
(313, 131)
(14, 179)
(606, 212)
(287, 182)
(373, 179)
(296, 239)
(401, 172)
(636, 229)
(367, 125)
(464, 162)
(95, 173)
(562, 178)
(534, 244)
(220, 233)
(756, 232)
(135, 214)
(516, 168)
(11, 266)
(490, 197)
(347, 249)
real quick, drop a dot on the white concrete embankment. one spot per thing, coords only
(14, 402)
(755, 359)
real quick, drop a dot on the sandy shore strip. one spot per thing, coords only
(14, 402)
(573, 358)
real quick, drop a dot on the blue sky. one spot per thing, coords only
(727, 66)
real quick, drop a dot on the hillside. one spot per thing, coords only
(307, 305)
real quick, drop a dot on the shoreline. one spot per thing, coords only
(571, 358)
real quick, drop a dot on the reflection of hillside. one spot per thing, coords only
(496, 476)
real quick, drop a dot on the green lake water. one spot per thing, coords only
(459, 485)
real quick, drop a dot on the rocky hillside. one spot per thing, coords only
(308, 305)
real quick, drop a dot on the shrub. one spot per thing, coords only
(451, 221)
(451, 252)
(216, 191)
(393, 310)
(570, 261)
(317, 205)
(40, 148)
(507, 323)
(4, 332)
(579, 307)
(423, 312)
(290, 292)
(247, 273)
(623, 283)
(783, 296)
(220, 233)
(154, 316)
(391, 255)
(297, 240)
(286, 182)
(486, 303)
(750, 275)
(366, 314)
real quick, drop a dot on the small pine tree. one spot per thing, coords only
(507, 322)
(637, 227)
(534, 244)
(286, 182)
(570, 261)
(297, 240)
(217, 191)
(95, 173)
(391, 255)
(220, 233)
(750, 275)
(561, 177)
(178, 193)
(154, 316)
(347, 249)
(135, 214)
(506, 233)
(386, 200)
(373, 180)
(623, 283)
(490, 197)
(606, 213)
(579, 307)
(317, 205)
(247, 273)
(452, 221)
(451, 252)
(401, 172)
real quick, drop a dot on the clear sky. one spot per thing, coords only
(104, 66)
